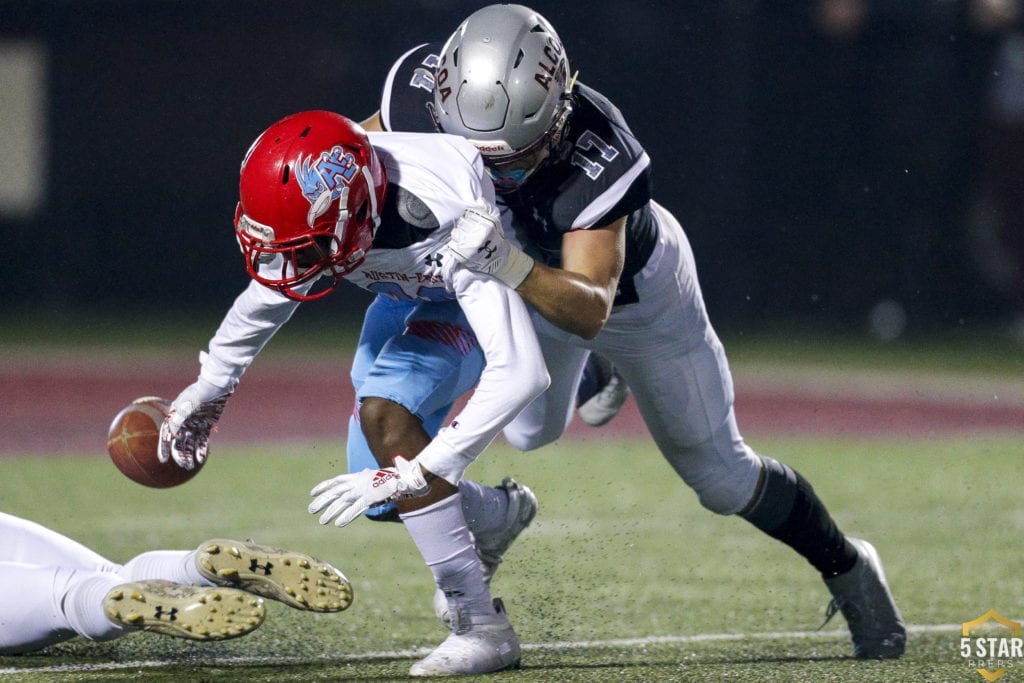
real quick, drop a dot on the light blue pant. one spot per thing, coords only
(420, 354)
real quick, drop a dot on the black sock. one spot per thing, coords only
(790, 511)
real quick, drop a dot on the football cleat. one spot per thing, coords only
(478, 644)
(610, 396)
(192, 612)
(491, 546)
(862, 595)
(296, 579)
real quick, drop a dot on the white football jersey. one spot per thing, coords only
(446, 174)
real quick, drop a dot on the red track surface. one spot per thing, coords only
(65, 405)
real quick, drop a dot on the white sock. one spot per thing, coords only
(83, 606)
(178, 566)
(484, 507)
(444, 541)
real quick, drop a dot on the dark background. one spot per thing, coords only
(819, 167)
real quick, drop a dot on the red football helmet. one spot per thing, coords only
(311, 192)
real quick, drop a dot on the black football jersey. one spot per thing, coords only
(599, 173)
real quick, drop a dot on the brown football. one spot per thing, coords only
(133, 440)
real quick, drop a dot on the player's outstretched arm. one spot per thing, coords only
(577, 297)
(256, 314)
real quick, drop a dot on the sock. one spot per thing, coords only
(178, 566)
(82, 604)
(484, 507)
(443, 539)
(789, 511)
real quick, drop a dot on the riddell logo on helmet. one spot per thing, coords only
(494, 147)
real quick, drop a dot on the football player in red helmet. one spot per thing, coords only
(321, 201)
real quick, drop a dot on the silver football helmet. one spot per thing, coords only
(503, 84)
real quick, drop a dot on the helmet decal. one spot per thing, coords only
(553, 65)
(324, 178)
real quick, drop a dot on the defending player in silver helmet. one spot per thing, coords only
(614, 273)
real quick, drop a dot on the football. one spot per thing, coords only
(133, 440)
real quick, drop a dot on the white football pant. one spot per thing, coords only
(52, 588)
(667, 351)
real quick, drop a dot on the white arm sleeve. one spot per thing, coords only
(515, 374)
(254, 317)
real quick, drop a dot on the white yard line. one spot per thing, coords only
(387, 655)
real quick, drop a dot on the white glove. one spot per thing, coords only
(185, 432)
(349, 495)
(478, 242)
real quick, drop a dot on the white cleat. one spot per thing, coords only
(862, 595)
(491, 546)
(478, 644)
(192, 612)
(600, 408)
(296, 579)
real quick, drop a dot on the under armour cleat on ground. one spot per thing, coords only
(491, 546)
(862, 595)
(296, 579)
(600, 408)
(478, 644)
(193, 612)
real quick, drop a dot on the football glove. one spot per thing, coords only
(185, 432)
(479, 243)
(347, 496)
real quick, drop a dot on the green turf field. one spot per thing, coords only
(622, 577)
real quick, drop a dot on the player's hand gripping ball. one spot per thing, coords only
(133, 440)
